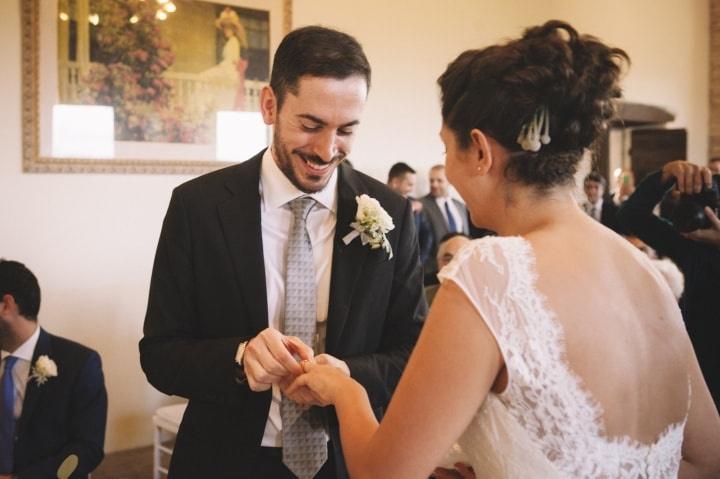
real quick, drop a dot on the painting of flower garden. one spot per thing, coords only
(165, 66)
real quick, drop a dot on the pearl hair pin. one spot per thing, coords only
(530, 137)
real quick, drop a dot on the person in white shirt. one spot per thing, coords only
(234, 279)
(445, 215)
(598, 205)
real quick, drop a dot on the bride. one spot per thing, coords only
(554, 349)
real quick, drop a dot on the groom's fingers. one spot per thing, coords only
(296, 346)
(266, 360)
(258, 378)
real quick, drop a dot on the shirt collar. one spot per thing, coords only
(26, 349)
(277, 190)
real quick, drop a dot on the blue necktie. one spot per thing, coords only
(452, 227)
(7, 416)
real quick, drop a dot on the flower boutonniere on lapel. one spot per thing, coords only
(44, 369)
(371, 224)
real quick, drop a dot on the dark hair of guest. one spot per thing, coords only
(399, 170)
(319, 52)
(20, 283)
(597, 178)
(501, 88)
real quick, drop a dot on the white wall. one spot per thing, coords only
(91, 238)
(409, 44)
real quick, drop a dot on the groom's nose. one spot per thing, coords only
(326, 146)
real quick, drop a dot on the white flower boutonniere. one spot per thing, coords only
(371, 224)
(44, 369)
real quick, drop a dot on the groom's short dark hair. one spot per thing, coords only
(20, 283)
(319, 52)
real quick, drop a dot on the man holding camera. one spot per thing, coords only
(697, 253)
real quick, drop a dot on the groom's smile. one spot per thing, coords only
(314, 127)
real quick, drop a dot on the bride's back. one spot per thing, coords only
(621, 325)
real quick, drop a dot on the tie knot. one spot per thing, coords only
(300, 207)
(10, 362)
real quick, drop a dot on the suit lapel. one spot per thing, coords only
(436, 218)
(241, 225)
(33, 391)
(347, 259)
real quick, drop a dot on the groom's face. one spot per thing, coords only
(315, 128)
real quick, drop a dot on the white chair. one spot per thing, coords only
(166, 422)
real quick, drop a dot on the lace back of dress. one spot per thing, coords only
(544, 409)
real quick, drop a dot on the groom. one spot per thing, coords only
(255, 269)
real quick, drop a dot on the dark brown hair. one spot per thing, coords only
(501, 88)
(316, 51)
(20, 283)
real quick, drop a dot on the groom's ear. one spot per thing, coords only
(268, 105)
(482, 151)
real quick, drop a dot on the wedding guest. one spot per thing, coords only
(523, 361)
(448, 249)
(598, 205)
(624, 186)
(260, 263)
(401, 179)
(53, 404)
(697, 254)
(445, 214)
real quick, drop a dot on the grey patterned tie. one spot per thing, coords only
(304, 444)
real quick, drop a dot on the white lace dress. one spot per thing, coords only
(544, 424)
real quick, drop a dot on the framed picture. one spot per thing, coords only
(145, 86)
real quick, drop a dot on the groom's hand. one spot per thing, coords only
(268, 358)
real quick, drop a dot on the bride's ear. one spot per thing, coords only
(482, 152)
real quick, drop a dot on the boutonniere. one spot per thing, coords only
(44, 369)
(371, 224)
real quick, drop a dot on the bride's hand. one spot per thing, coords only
(320, 385)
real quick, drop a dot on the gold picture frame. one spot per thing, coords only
(36, 118)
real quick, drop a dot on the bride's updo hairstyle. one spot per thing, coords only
(552, 72)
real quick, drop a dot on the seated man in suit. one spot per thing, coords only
(53, 404)
(448, 248)
(401, 179)
(598, 205)
(445, 214)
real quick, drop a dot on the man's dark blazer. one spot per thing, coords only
(207, 295)
(439, 227)
(424, 234)
(608, 215)
(66, 415)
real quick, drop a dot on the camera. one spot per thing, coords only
(689, 213)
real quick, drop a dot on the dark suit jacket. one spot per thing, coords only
(207, 294)
(439, 228)
(424, 235)
(608, 215)
(65, 415)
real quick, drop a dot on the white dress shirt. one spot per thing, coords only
(21, 369)
(459, 223)
(597, 212)
(276, 220)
